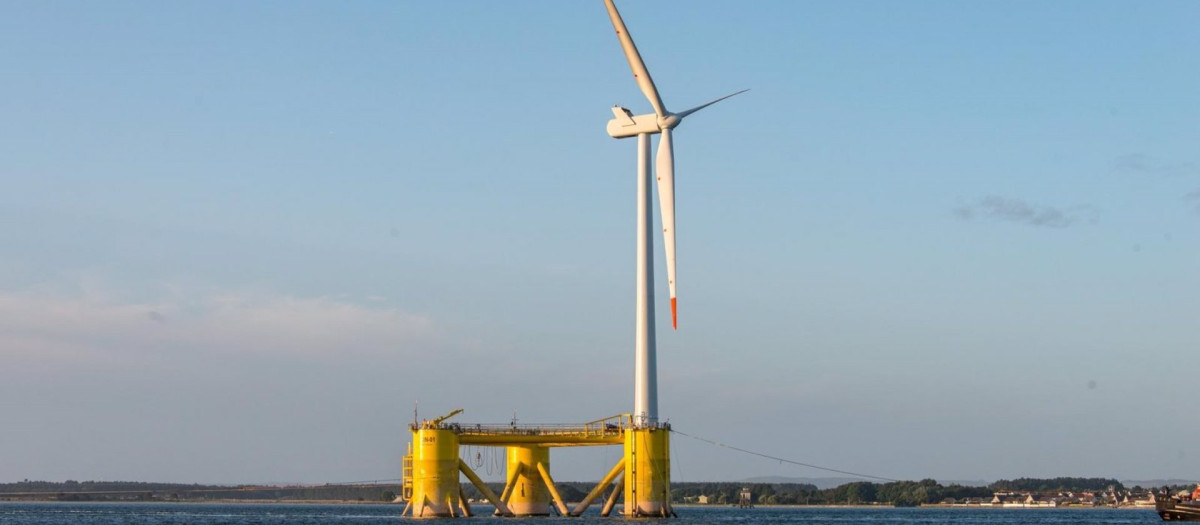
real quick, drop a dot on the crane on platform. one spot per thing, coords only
(437, 421)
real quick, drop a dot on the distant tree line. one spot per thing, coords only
(898, 493)
(72, 490)
(1057, 485)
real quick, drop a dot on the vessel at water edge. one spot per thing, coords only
(1176, 508)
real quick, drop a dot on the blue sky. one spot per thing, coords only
(239, 239)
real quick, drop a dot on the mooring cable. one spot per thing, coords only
(782, 460)
(678, 465)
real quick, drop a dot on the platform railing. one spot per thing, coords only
(609, 426)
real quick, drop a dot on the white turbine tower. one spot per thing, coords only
(626, 124)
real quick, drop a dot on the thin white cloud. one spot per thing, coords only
(1193, 197)
(1141, 164)
(89, 326)
(1017, 210)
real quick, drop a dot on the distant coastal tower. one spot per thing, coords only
(745, 498)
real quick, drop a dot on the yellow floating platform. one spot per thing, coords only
(432, 468)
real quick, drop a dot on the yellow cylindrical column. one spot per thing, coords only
(435, 473)
(648, 472)
(529, 496)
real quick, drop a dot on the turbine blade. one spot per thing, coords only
(707, 104)
(644, 82)
(664, 172)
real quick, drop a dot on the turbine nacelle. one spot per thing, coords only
(626, 124)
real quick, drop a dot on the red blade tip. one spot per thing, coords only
(674, 318)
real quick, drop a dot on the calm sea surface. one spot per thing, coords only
(302, 514)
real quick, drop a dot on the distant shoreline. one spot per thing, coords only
(923, 506)
(484, 504)
(206, 501)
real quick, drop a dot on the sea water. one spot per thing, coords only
(310, 514)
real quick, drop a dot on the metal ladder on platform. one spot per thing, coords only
(407, 475)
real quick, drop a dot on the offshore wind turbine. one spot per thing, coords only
(431, 469)
(625, 125)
